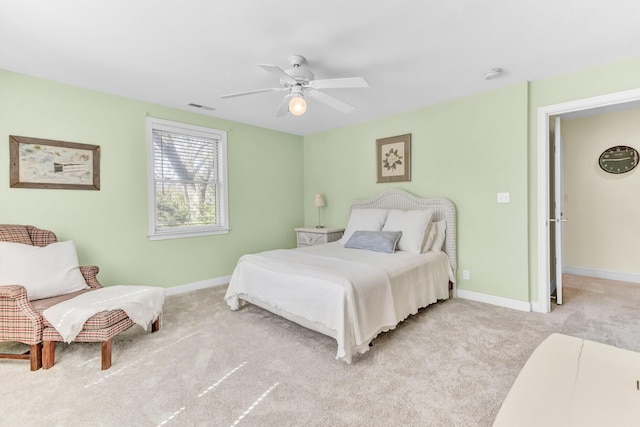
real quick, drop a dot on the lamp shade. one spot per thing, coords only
(318, 200)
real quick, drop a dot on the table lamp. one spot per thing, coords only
(318, 201)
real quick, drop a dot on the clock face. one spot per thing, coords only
(618, 159)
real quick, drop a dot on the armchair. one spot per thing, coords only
(21, 320)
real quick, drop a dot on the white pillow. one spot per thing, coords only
(44, 271)
(438, 241)
(364, 220)
(430, 237)
(413, 224)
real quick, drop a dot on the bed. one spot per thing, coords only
(348, 291)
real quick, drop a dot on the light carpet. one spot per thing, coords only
(450, 365)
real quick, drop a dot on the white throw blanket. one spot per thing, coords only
(364, 309)
(143, 304)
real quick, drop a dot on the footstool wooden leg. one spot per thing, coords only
(48, 354)
(35, 356)
(155, 326)
(106, 354)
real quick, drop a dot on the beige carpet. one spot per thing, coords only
(450, 365)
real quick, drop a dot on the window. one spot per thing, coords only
(187, 180)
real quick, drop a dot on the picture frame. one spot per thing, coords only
(393, 157)
(45, 163)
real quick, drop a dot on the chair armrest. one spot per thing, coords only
(13, 292)
(19, 320)
(90, 272)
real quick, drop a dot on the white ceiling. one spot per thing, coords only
(412, 53)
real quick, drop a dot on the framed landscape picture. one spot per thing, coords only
(44, 163)
(393, 155)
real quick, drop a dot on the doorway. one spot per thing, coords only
(547, 246)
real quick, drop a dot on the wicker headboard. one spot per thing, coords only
(401, 199)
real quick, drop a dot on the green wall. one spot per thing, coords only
(110, 226)
(466, 150)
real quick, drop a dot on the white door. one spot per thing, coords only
(558, 219)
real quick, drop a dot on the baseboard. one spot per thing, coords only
(491, 299)
(196, 286)
(536, 307)
(602, 274)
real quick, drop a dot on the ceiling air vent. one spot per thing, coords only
(204, 107)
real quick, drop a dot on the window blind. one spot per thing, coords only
(186, 179)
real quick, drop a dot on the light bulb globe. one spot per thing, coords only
(297, 106)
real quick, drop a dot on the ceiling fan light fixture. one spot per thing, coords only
(297, 105)
(300, 82)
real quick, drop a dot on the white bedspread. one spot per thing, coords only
(354, 294)
(143, 304)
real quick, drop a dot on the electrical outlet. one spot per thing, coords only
(504, 198)
(466, 275)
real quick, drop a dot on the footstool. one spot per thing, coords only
(574, 381)
(101, 327)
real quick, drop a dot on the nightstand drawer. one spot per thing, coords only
(308, 236)
(309, 239)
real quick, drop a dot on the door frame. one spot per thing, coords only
(544, 113)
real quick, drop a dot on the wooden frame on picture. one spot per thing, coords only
(44, 163)
(394, 158)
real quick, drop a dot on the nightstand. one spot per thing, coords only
(310, 236)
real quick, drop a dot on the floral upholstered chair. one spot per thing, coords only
(21, 317)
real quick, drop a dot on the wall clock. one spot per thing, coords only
(619, 159)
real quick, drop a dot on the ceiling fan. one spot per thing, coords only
(298, 82)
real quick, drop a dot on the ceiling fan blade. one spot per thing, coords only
(279, 73)
(347, 82)
(283, 109)
(331, 101)
(251, 92)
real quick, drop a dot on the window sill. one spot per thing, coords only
(185, 234)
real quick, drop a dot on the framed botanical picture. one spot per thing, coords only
(44, 163)
(394, 158)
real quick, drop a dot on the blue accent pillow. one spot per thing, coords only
(379, 241)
